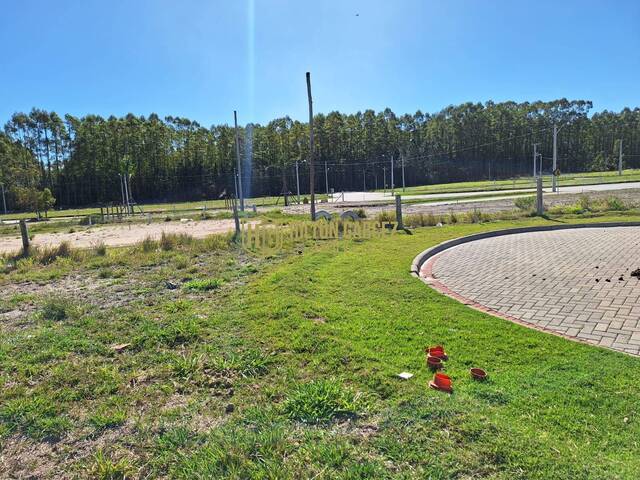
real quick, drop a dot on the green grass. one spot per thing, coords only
(289, 371)
(203, 285)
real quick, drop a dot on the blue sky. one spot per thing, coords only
(203, 59)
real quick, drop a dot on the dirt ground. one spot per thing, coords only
(119, 235)
(128, 234)
(629, 196)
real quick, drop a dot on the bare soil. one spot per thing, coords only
(629, 197)
(119, 235)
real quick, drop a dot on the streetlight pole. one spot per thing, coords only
(402, 160)
(297, 182)
(554, 179)
(326, 179)
(364, 181)
(4, 200)
(392, 175)
(384, 179)
(238, 163)
(620, 158)
(535, 159)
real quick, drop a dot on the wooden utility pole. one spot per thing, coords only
(238, 163)
(312, 173)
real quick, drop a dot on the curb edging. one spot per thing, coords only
(427, 258)
(423, 256)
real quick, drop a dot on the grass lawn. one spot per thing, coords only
(283, 367)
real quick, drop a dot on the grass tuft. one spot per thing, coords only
(321, 401)
(106, 468)
(56, 309)
(203, 285)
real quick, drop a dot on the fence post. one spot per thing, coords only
(400, 225)
(25, 236)
(539, 202)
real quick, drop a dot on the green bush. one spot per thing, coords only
(584, 202)
(615, 204)
(525, 204)
(148, 245)
(46, 256)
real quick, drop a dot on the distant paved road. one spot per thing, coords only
(488, 195)
(573, 282)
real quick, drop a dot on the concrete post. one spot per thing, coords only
(539, 202)
(400, 225)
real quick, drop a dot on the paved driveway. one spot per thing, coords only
(573, 282)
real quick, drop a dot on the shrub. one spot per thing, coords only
(525, 204)
(474, 216)
(361, 213)
(46, 256)
(453, 218)
(166, 242)
(585, 202)
(321, 401)
(614, 203)
(214, 243)
(148, 245)
(386, 216)
(169, 241)
(100, 249)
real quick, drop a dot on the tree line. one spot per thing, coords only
(80, 160)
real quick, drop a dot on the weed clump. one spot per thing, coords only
(56, 309)
(148, 245)
(203, 285)
(100, 249)
(525, 203)
(46, 256)
(322, 401)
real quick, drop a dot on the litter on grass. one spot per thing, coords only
(405, 375)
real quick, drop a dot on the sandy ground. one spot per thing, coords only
(119, 235)
(487, 205)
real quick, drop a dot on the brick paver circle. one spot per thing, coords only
(576, 283)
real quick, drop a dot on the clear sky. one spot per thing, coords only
(202, 58)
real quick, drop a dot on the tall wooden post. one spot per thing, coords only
(312, 173)
(25, 236)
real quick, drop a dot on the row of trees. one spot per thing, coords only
(80, 160)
